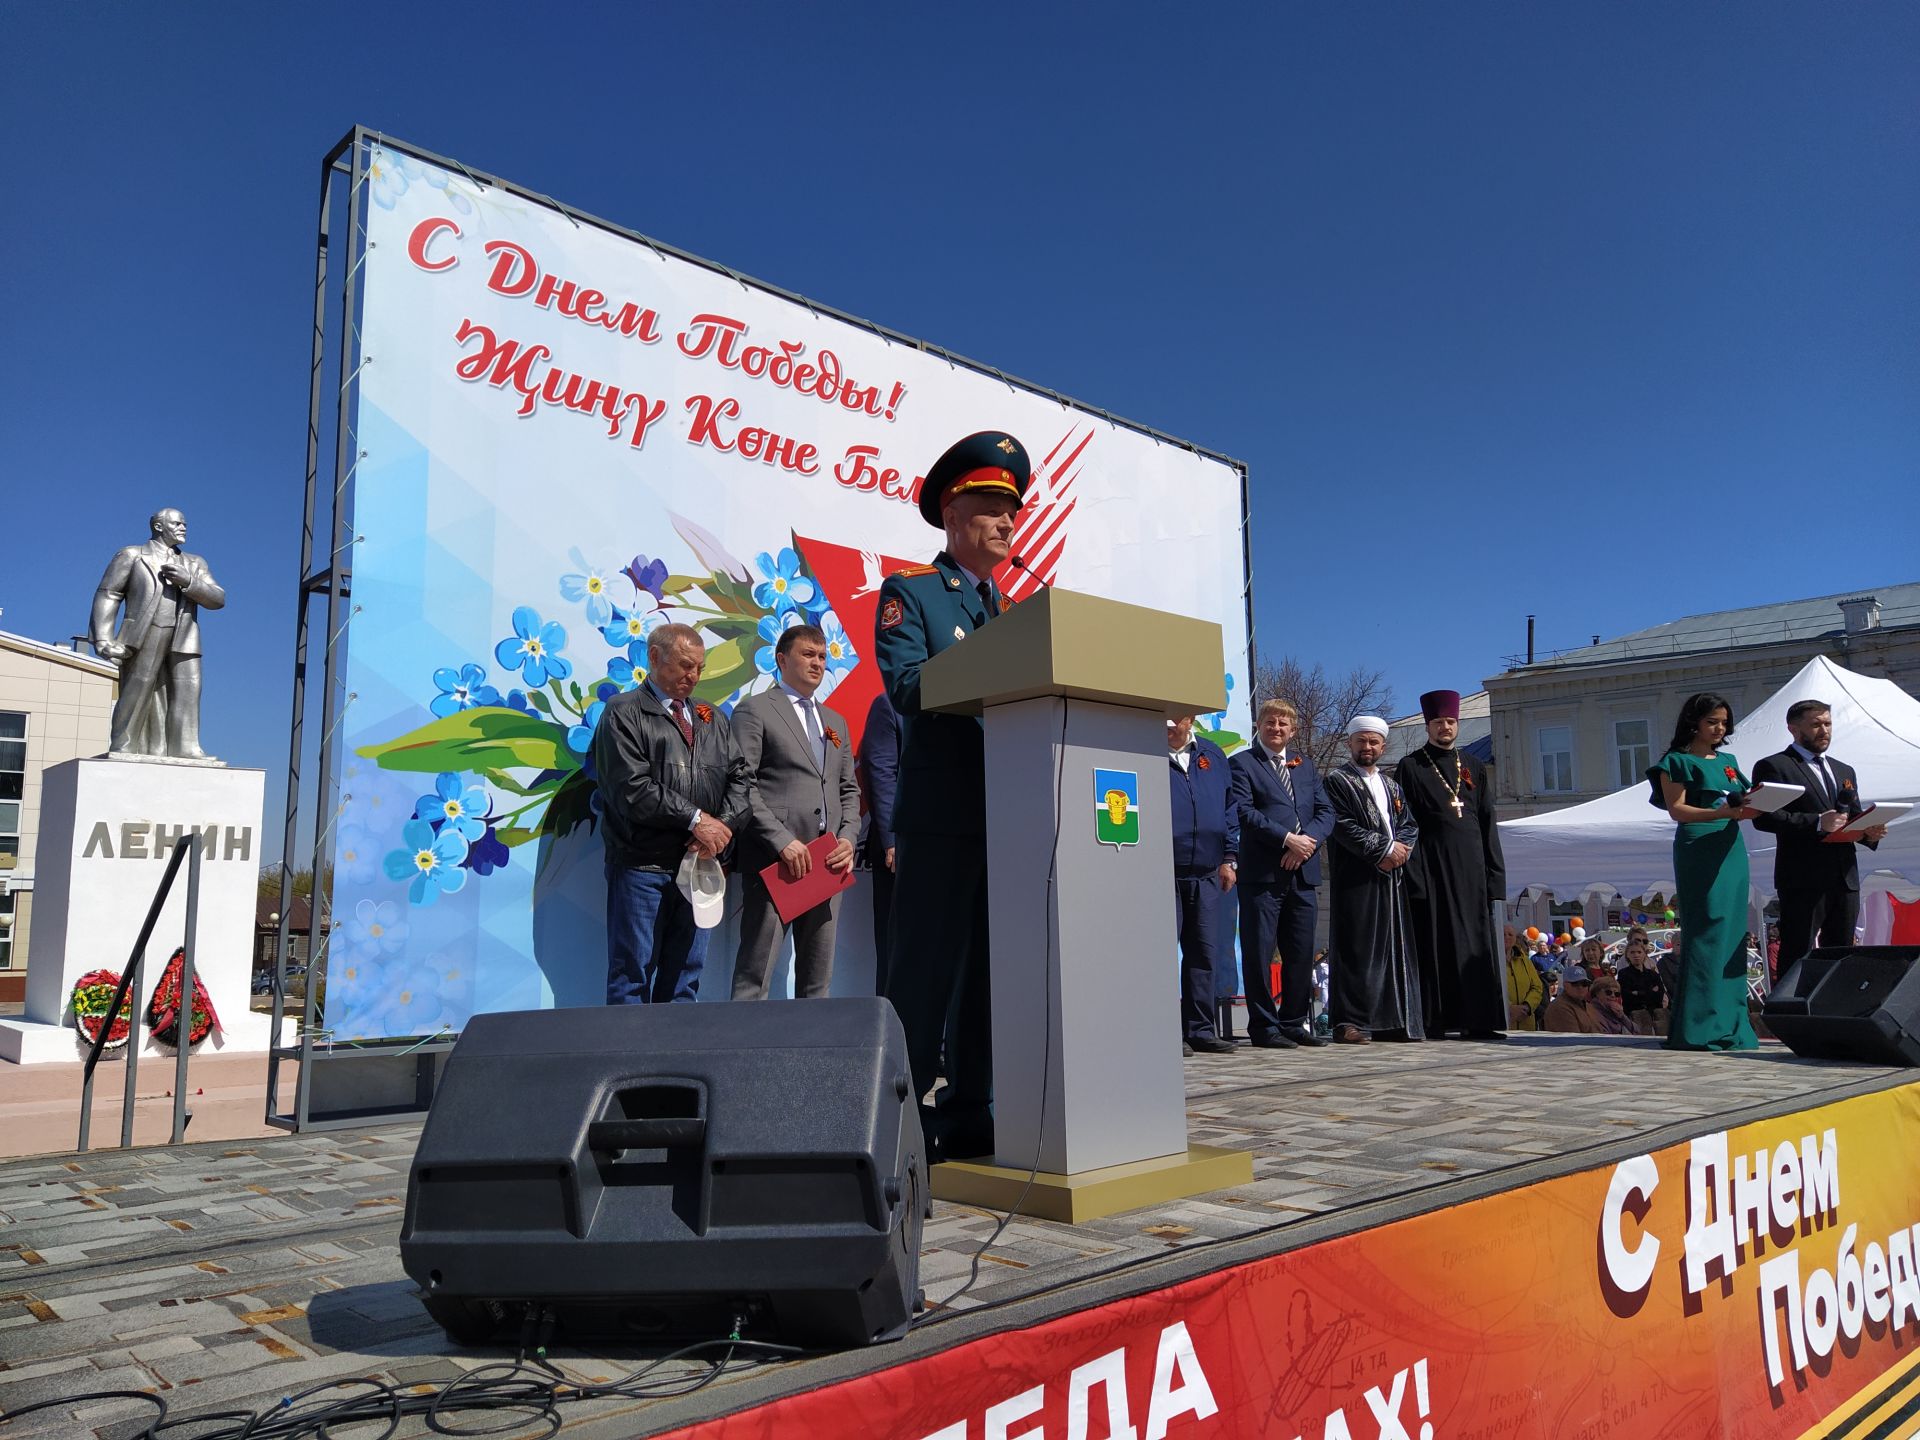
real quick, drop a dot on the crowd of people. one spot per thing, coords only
(1411, 861)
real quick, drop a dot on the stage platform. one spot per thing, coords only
(231, 1274)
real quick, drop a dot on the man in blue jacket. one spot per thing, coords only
(1206, 842)
(1285, 817)
(879, 766)
(938, 974)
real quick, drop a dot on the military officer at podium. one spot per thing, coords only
(937, 972)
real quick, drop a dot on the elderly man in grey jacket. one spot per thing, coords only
(671, 780)
(158, 644)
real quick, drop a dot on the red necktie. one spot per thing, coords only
(680, 719)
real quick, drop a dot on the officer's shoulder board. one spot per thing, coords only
(913, 570)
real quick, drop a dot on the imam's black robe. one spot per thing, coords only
(1373, 975)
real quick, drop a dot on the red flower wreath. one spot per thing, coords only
(92, 994)
(833, 737)
(1203, 762)
(704, 712)
(163, 1010)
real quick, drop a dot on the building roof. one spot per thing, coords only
(58, 654)
(266, 911)
(1787, 621)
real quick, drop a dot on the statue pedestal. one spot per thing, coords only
(106, 829)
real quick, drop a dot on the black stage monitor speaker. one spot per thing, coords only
(1851, 1004)
(673, 1171)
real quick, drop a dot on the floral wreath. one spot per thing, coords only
(163, 1009)
(92, 996)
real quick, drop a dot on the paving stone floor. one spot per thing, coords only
(232, 1274)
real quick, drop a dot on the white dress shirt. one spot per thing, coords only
(1818, 763)
(811, 724)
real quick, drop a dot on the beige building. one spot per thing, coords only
(1575, 726)
(54, 705)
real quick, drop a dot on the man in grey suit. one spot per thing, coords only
(158, 644)
(801, 759)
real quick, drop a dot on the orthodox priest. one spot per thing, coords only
(1453, 879)
(1374, 978)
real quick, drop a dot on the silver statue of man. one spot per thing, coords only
(158, 643)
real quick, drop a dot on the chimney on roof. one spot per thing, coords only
(1861, 613)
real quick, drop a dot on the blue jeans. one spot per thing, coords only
(654, 950)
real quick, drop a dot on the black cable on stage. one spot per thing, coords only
(1046, 1041)
(509, 1385)
(82, 1399)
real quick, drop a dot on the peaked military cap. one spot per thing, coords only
(990, 462)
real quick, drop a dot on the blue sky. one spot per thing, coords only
(1510, 308)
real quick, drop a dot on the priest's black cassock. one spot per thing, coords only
(1454, 877)
(1373, 977)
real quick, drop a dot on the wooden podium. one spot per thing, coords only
(1075, 692)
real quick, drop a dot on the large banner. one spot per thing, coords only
(567, 437)
(1758, 1282)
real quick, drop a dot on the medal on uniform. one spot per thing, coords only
(958, 633)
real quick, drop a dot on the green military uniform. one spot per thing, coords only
(937, 971)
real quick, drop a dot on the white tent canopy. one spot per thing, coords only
(1622, 841)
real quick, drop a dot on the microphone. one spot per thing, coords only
(1021, 565)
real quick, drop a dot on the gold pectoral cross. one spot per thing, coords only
(1457, 811)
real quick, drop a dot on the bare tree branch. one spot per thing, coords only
(1326, 703)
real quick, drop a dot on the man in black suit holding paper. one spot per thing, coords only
(1285, 817)
(1819, 883)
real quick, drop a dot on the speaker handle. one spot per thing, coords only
(663, 1134)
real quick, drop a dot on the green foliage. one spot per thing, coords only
(485, 739)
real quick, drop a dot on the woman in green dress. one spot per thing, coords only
(1705, 791)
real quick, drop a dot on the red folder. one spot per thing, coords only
(793, 898)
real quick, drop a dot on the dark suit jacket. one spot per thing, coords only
(791, 799)
(1267, 816)
(1802, 860)
(880, 774)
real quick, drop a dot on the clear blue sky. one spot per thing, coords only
(1509, 308)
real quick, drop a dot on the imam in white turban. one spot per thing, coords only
(1367, 722)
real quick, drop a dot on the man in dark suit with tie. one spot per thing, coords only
(799, 755)
(938, 974)
(1284, 817)
(1819, 883)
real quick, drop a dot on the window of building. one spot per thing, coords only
(1556, 759)
(6, 927)
(1633, 749)
(13, 760)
